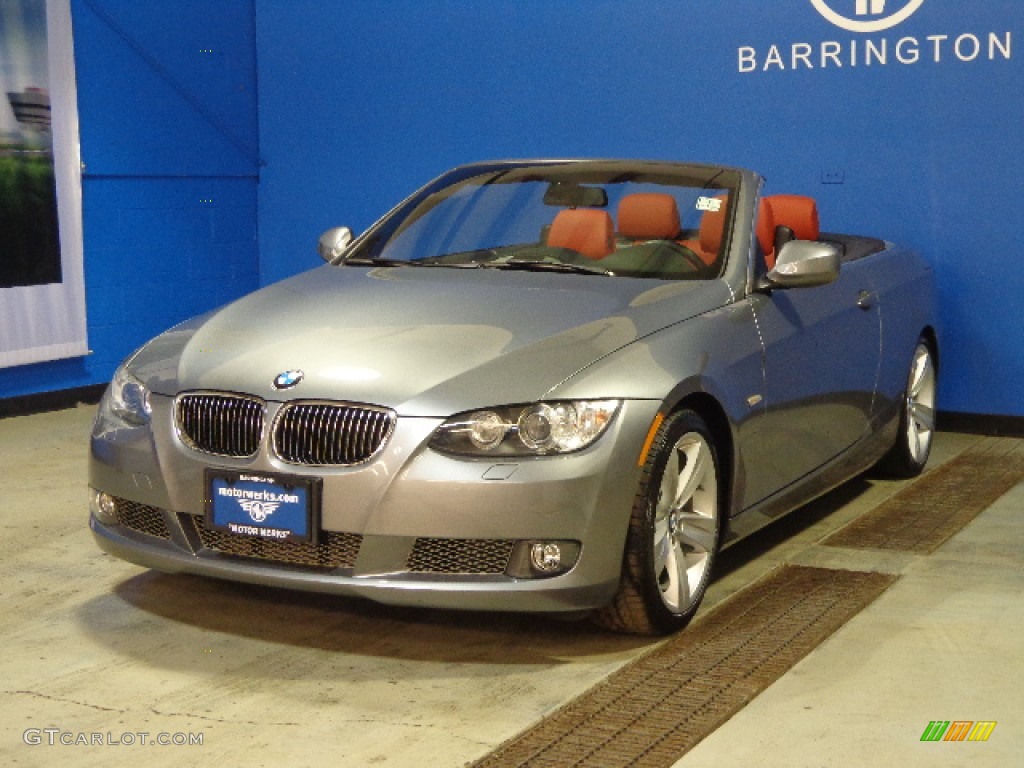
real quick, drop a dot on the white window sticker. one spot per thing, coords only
(712, 204)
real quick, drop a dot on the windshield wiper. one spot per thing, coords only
(363, 261)
(525, 265)
(546, 266)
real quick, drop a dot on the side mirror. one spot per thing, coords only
(805, 263)
(333, 243)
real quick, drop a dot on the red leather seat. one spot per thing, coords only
(712, 229)
(799, 213)
(584, 230)
(648, 216)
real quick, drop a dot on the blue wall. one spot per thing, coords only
(361, 101)
(169, 143)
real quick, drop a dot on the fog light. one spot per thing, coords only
(546, 556)
(103, 506)
(542, 559)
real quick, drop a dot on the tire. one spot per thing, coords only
(909, 454)
(674, 532)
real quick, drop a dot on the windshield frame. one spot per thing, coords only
(370, 246)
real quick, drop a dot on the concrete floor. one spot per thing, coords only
(96, 648)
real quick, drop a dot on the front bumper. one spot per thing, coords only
(412, 527)
(477, 592)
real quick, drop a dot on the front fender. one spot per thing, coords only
(717, 356)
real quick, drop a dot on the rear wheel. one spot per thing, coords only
(673, 532)
(913, 445)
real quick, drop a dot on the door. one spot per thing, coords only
(821, 356)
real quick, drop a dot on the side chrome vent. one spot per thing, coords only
(221, 424)
(337, 434)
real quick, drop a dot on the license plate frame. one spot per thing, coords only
(245, 502)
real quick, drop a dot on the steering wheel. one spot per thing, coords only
(688, 255)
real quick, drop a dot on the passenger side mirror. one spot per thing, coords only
(805, 263)
(333, 243)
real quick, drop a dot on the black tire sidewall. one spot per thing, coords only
(900, 461)
(671, 431)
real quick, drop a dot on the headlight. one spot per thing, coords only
(537, 429)
(127, 398)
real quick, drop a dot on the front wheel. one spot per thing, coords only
(913, 445)
(673, 533)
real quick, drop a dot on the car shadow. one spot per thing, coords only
(197, 610)
(788, 526)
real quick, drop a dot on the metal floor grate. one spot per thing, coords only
(657, 708)
(922, 516)
(654, 710)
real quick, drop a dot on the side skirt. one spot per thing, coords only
(857, 459)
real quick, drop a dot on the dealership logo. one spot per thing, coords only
(868, 15)
(875, 51)
(258, 510)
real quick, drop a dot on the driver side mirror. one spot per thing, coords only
(333, 243)
(805, 263)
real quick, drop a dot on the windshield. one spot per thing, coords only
(609, 218)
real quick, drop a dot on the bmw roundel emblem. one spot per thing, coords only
(288, 379)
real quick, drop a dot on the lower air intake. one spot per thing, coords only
(460, 556)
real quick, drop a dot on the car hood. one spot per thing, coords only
(424, 341)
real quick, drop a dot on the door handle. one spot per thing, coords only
(866, 300)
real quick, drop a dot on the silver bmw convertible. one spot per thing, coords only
(550, 386)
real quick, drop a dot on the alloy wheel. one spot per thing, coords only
(686, 522)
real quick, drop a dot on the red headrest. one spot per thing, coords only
(649, 216)
(586, 230)
(797, 212)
